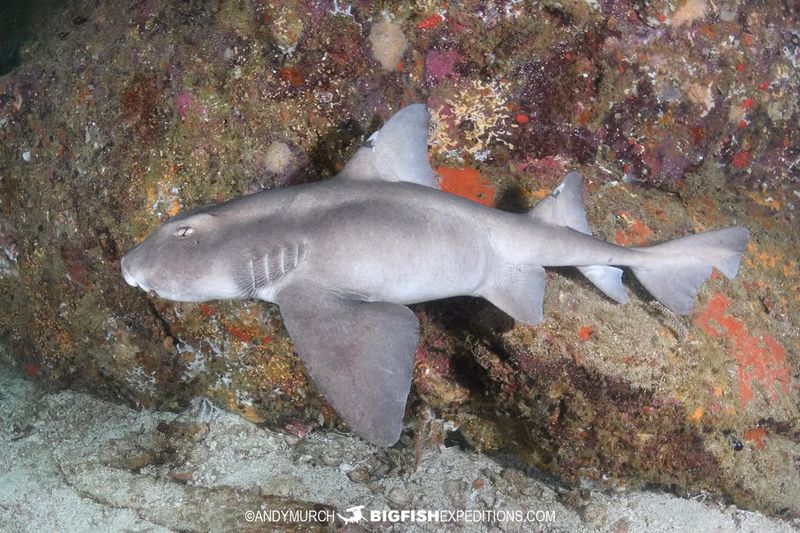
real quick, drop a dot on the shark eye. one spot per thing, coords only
(184, 231)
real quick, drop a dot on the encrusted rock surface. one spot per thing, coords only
(72, 462)
(683, 116)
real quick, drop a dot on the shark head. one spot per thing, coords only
(181, 260)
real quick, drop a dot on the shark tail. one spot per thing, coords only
(680, 266)
(672, 271)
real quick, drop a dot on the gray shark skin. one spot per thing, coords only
(342, 258)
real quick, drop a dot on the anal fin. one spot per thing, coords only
(608, 279)
(517, 290)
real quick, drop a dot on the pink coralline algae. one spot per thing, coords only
(761, 359)
(186, 103)
(440, 63)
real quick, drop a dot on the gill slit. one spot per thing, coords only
(253, 290)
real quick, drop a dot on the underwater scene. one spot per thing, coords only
(272, 265)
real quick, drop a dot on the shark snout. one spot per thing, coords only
(130, 279)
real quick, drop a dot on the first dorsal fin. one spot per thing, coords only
(396, 152)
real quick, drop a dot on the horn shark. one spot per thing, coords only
(344, 257)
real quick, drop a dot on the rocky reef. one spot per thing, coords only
(682, 115)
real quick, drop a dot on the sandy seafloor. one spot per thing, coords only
(72, 462)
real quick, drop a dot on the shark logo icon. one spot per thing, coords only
(355, 515)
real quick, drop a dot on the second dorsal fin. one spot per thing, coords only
(563, 207)
(396, 152)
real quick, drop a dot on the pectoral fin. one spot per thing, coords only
(360, 355)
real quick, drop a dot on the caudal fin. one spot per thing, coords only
(680, 266)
